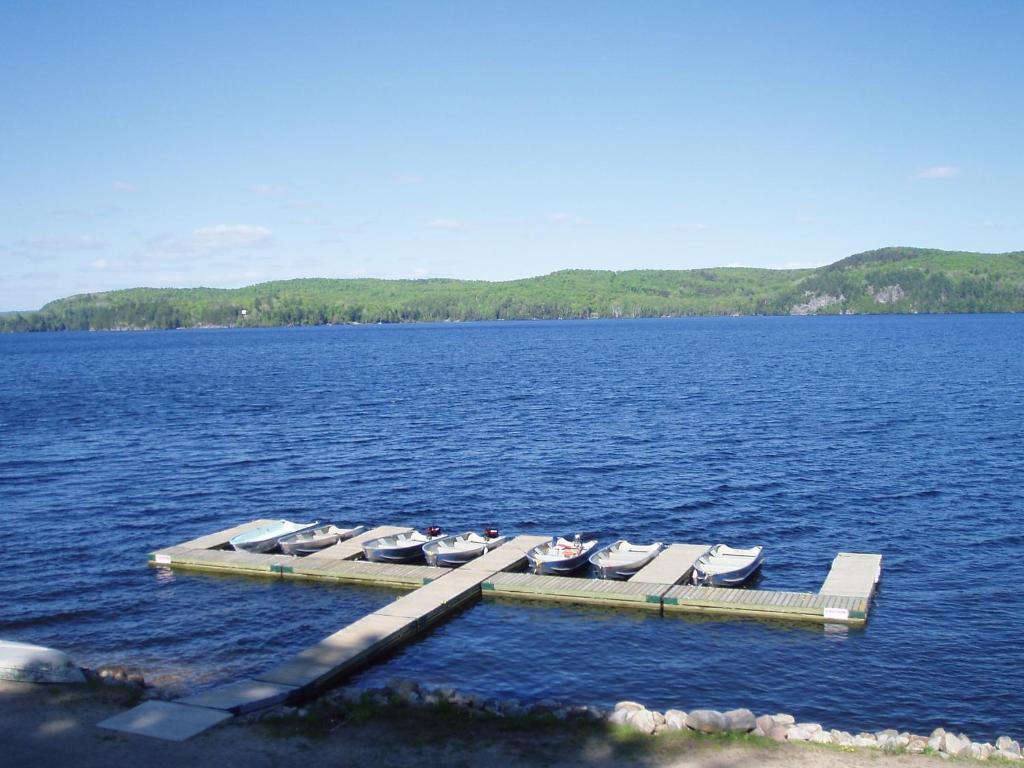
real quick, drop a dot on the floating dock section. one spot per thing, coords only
(439, 592)
(673, 565)
(843, 599)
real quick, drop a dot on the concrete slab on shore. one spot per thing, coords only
(242, 696)
(673, 565)
(165, 720)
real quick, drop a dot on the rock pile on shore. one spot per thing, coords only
(635, 716)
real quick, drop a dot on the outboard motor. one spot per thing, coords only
(490, 533)
(434, 530)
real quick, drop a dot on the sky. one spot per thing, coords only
(223, 144)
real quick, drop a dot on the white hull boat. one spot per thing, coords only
(622, 559)
(453, 551)
(723, 566)
(265, 537)
(25, 663)
(560, 556)
(313, 540)
(402, 548)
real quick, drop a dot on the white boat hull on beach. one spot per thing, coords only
(25, 663)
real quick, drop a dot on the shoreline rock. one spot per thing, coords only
(635, 716)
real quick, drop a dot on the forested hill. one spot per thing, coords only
(889, 280)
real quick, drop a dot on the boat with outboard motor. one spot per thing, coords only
(264, 538)
(622, 559)
(723, 566)
(453, 551)
(402, 547)
(560, 556)
(314, 539)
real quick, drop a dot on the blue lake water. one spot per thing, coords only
(899, 435)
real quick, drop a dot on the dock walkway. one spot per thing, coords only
(672, 565)
(439, 592)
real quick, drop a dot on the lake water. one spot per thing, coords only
(899, 435)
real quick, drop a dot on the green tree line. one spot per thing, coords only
(885, 280)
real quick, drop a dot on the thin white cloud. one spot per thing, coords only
(99, 264)
(231, 237)
(299, 204)
(408, 179)
(939, 172)
(990, 224)
(72, 243)
(448, 224)
(691, 227)
(267, 189)
(560, 217)
(207, 240)
(123, 186)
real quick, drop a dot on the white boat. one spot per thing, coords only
(314, 539)
(560, 556)
(401, 548)
(623, 559)
(723, 566)
(453, 551)
(265, 537)
(25, 663)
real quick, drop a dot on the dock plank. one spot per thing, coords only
(576, 590)
(511, 554)
(853, 575)
(341, 652)
(674, 564)
(361, 572)
(221, 538)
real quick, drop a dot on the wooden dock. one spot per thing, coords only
(853, 575)
(439, 592)
(673, 565)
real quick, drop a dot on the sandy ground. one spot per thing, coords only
(56, 726)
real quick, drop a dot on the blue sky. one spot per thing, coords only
(223, 144)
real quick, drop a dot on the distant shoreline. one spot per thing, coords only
(392, 324)
(886, 281)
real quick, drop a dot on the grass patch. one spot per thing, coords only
(94, 690)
